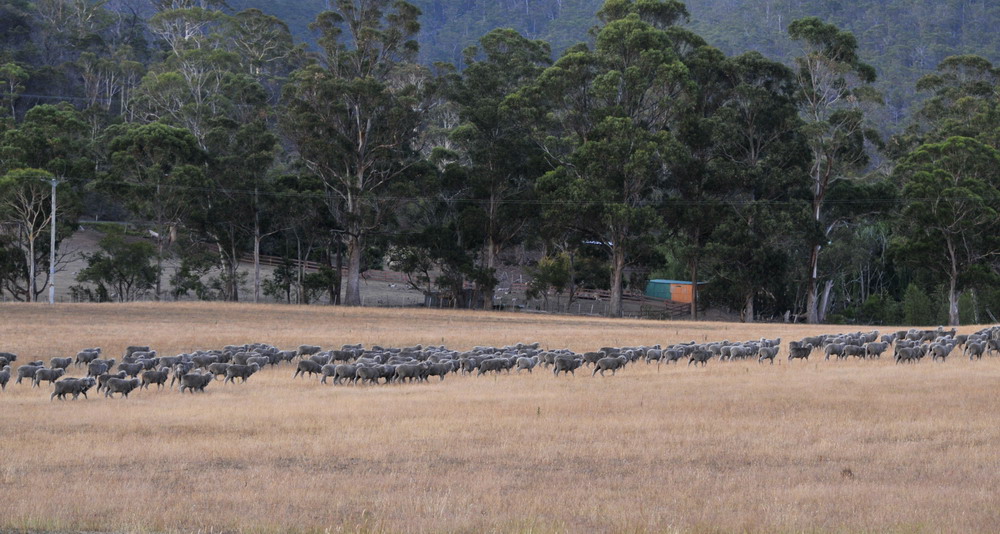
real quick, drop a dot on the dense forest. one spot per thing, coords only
(902, 39)
(823, 175)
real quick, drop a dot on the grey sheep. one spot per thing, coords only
(609, 364)
(854, 350)
(132, 349)
(875, 349)
(46, 375)
(180, 371)
(10, 357)
(155, 377)
(195, 382)
(27, 371)
(440, 369)
(86, 356)
(344, 371)
(525, 363)
(307, 366)
(72, 386)
(261, 361)
(4, 377)
(131, 369)
(975, 350)
(218, 369)
(566, 364)
(99, 367)
(593, 357)
(322, 358)
(120, 385)
(798, 350)
(103, 379)
(767, 353)
(834, 349)
(700, 356)
(240, 371)
(369, 374)
(307, 350)
(60, 363)
(410, 372)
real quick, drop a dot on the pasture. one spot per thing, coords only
(815, 446)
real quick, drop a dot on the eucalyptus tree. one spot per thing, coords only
(950, 223)
(352, 115)
(834, 88)
(501, 159)
(605, 123)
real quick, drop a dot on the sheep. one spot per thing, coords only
(261, 361)
(120, 385)
(700, 356)
(103, 379)
(566, 364)
(132, 349)
(307, 350)
(27, 371)
(654, 354)
(46, 375)
(218, 369)
(854, 350)
(154, 377)
(4, 377)
(592, 357)
(72, 386)
(131, 369)
(195, 382)
(526, 363)
(345, 371)
(410, 372)
(60, 363)
(875, 350)
(10, 357)
(907, 354)
(240, 371)
(307, 366)
(767, 353)
(799, 350)
(440, 369)
(99, 367)
(493, 364)
(180, 371)
(941, 350)
(322, 358)
(86, 356)
(369, 373)
(975, 350)
(834, 349)
(609, 364)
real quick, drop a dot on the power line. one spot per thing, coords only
(539, 202)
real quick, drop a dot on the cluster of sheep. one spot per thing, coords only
(908, 345)
(141, 367)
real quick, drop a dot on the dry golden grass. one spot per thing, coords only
(815, 447)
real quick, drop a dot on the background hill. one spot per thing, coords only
(903, 39)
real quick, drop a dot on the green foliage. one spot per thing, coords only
(917, 306)
(121, 270)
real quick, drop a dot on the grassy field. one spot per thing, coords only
(808, 447)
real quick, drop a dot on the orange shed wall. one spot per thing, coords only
(680, 292)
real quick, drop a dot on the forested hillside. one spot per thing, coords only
(902, 39)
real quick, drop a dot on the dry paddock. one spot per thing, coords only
(808, 447)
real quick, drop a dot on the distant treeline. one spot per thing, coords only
(644, 151)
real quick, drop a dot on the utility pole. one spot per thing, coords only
(52, 246)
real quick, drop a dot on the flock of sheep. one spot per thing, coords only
(141, 367)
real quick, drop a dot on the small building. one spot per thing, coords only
(675, 290)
